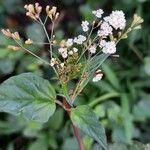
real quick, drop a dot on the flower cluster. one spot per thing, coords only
(98, 13)
(105, 30)
(109, 47)
(14, 35)
(80, 39)
(85, 26)
(52, 13)
(72, 55)
(33, 11)
(116, 19)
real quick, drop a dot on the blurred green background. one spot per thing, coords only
(121, 99)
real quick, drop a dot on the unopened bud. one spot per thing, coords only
(28, 42)
(14, 48)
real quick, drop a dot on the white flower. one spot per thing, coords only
(80, 39)
(64, 54)
(53, 62)
(105, 29)
(61, 50)
(85, 25)
(75, 50)
(70, 52)
(69, 42)
(92, 49)
(98, 76)
(102, 43)
(116, 19)
(98, 13)
(109, 48)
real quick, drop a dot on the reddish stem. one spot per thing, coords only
(78, 137)
(67, 108)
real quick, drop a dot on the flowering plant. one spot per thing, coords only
(76, 59)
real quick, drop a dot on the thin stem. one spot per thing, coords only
(45, 62)
(40, 43)
(50, 48)
(137, 52)
(86, 47)
(78, 137)
(45, 19)
(50, 43)
(52, 30)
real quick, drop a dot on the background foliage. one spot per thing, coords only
(121, 99)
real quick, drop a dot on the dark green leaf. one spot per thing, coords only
(6, 66)
(35, 32)
(29, 95)
(87, 121)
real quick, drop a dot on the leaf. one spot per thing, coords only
(141, 109)
(6, 66)
(96, 62)
(68, 142)
(8, 128)
(39, 144)
(91, 67)
(111, 76)
(3, 52)
(29, 95)
(147, 65)
(35, 32)
(56, 120)
(87, 121)
(127, 117)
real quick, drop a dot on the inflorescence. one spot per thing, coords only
(100, 36)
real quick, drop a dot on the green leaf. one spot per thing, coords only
(35, 32)
(29, 95)
(38, 144)
(141, 109)
(96, 62)
(91, 67)
(111, 76)
(147, 65)
(6, 66)
(68, 142)
(87, 121)
(3, 52)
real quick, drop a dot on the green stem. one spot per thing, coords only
(50, 47)
(45, 62)
(49, 40)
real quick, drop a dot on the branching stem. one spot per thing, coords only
(44, 28)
